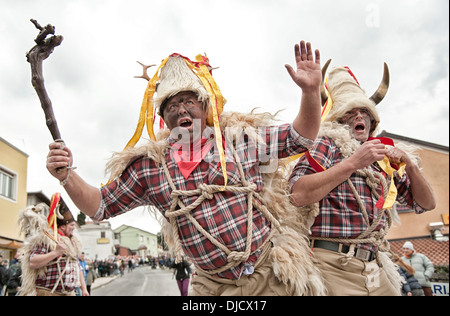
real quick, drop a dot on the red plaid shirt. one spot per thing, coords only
(225, 215)
(70, 278)
(340, 216)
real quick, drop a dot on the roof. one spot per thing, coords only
(40, 196)
(123, 227)
(13, 146)
(414, 141)
(436, 251)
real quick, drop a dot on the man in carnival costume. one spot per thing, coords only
(225, 204)
(351, 181)
(50, 265)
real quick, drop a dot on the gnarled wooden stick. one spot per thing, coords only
(35, 57)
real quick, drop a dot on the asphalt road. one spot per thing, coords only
(143, 281)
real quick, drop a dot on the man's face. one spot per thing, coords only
(408, 252)
(68, 229)
(182, 111)
(360, 122)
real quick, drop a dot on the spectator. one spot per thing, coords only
(183, 270)
(84, 270)
(90, 276)
(13, 275)
(3, 269)
(422, 265)
(411, 287)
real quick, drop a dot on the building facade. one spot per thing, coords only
(429, 231)
(97, 240)
(434, 162)
(13, 196)
(141, 243)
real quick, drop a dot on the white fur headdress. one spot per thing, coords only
(176, 74)
(176, 77)
(345, 94)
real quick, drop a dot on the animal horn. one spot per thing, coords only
(323, 93)
(144, 71)
(58, 214)
(379, 95)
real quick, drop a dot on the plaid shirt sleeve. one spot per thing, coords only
(224, 216)
(48, 281)
(128, 191)
(404, 194)
(282, 141)
(340, 216)
(324, 152)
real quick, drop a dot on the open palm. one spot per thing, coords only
(308, 74)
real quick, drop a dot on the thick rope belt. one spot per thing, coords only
(206, 192)
(370, 236)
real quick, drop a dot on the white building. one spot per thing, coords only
(97, 240)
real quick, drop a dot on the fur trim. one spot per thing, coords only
(347, 145)
(291, 257)
(293, 264)
(348, 95)
(391, 270)
(120, 160)
(341, 135)
(176, 76)
(33, 224)
(31, 220)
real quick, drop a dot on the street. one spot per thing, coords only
(143, 281)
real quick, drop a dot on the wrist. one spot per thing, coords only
(57, 253)
(349, 166)
(312, 90)
(412, 168)
(68, 176)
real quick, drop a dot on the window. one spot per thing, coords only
(7, 184)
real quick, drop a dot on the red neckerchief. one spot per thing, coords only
(188, 161)
(389, 142)
(384, 140)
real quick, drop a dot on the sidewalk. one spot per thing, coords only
(99, 282)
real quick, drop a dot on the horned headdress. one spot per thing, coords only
(341, 93)
(59, 214)
(177, 74)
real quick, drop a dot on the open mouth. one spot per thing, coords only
(185, 123)
(360, 127)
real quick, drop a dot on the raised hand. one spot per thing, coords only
(308, 74)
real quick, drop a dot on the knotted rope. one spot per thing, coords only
(370, 236)
(71, 259)
(206, 192)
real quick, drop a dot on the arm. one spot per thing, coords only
(41, 260)
(308, 77)
(406, 287)
(314, 187)
(429, 267)
(420, 188)
(85, 196)
(84, 291)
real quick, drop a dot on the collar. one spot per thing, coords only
(188, 157)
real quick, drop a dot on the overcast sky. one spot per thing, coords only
(96, 100)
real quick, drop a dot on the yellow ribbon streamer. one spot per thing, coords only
(53, 220)
(328, 105)
(392, 195)
(217, 102)
(146, 113)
